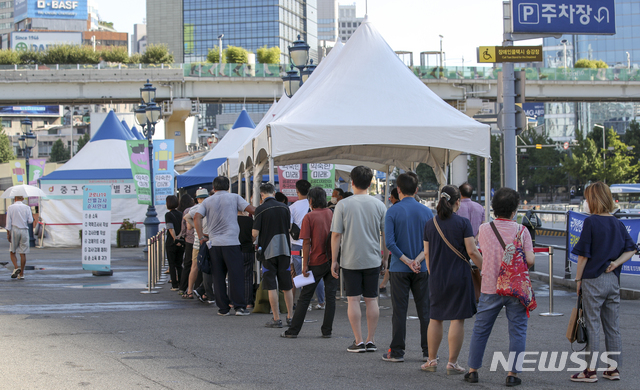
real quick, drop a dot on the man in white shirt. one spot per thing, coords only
(19, 217)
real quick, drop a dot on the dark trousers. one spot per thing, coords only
(206, 286)
(174, 257)
(320, 272)
(227, 260)
(249, 259)
(186, 267)
(401, 284)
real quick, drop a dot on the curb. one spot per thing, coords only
(625, 293)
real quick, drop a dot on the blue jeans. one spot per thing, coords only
(297, 266)
(489, 307)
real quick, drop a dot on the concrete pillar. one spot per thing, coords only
(174, 127)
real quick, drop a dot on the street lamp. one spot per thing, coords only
(604, 147)
(441, 52)
(147, 115)
(564, 50)
(220, 48)
(27, 141)
(299, 55)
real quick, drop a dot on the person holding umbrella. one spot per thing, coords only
(18, 219)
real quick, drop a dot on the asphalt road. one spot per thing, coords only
(65, 329)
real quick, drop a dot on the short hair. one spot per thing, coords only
(303, 187)
(361, 177)
(598, 195)
(394, 193)
(340, 191)
(448, 197)
(317, 197)
(466, 190)
(408, 183)
(221, 183)
(505, 202)
(267, 189)
(172, 202)
(186, 201)
(347, 194)
(282, 198)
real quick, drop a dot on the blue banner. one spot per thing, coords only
(575, 223)
(564, 16)
(163, 154)
(50, 9)
(30, 110)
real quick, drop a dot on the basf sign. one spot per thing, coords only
(39, 41)
(48, 9)
(564, 16)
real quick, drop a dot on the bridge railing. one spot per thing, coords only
(209, 70)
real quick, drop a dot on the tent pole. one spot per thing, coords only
(271, 177)
(246, 186)
(487, 188)
(387, 190)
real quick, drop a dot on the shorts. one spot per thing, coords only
(19, 241)
(277, 268)
(361, 282)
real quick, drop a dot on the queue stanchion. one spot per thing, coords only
(149, 270)
(550, 313)
(160, 257)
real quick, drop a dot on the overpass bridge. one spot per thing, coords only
(231, 83)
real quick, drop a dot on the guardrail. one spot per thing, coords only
(210, 70)
(155, 262)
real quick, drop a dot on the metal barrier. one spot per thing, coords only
(549, 250)
(155, 262)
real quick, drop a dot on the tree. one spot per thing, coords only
(539, 167)
(268, 55)
(213, 55)
(632, 139)
(9, 57)
(6, 151)
(157, 54)
(495, 165)
(59, 152)
(115, 54)
(135, 58)
(592, 64)
(236, 55)
(83, 141)
(426, 177)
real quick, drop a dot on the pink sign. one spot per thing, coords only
(288, 175)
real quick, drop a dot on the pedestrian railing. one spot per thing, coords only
(155, 262)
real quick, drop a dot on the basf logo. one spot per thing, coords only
(48, 9)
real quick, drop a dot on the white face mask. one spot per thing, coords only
(334, 200)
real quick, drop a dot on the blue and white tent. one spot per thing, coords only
(207, 169)
(102, 161)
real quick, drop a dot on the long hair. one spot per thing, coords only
(186, 201)
(448, 197)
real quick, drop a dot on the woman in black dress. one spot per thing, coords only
(451, 293)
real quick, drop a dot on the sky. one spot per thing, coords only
(409, 25)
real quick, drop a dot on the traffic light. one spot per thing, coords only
(521, 116)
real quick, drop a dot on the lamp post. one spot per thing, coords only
(27, 141)
(220, 48)
(441, 53)
(147, 115)
(604, 147)
(564, 51)
(299, 56)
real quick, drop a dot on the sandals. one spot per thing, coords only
(585, 376)
(454, 369)
(187, 296)
(613, 375)
(430, 365)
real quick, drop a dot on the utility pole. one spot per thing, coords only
(509, 108)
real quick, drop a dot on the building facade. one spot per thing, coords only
(347, 21)
(621, 51)
(6, 18)
(139, 38)
(327, 26)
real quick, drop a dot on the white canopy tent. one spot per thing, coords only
(367, 106)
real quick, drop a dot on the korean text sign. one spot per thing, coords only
(564, 16)
(96, 228)
(322, 175)
(288, 175)
(139, 160)
(163, 169)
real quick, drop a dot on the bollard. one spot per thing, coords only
(149, 271)
(551, 313)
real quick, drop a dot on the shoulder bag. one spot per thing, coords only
(577, 329)
(476, 277)
(513, 277)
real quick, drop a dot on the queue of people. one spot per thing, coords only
(436, 259)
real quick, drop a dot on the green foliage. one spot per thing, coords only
(601, 64)
(59, 152)
(83, 141)
(268, 55)
(115, 54)
(213, 55)
(58, 54)
(592, 64)
(495, 165)
(106, 24)
(84, 55)
(30, 57)
(632, 138)
(157, 54)
(127, 225)
(426, 177)
(9, 57)
(236, 55)
(6, 151)
(539, 167)
(135, 58)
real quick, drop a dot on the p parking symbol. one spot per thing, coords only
(528, 13)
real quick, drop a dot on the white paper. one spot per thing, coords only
(301, 281)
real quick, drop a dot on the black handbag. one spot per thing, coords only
(295, 231)
(204, 263)
(581, 327)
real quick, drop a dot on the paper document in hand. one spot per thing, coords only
(301, 281)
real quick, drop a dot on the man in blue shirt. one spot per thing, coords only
(404, 226)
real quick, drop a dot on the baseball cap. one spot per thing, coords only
(202, 193)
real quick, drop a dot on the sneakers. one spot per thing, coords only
(584, 376)
(224, 314)
(20, 277)
(15, 273)
(357, 348)
(320, 306)
(242, 312)
(371, 347)
(471, 377)
(387, 357)
(612, 375)
(274, 324)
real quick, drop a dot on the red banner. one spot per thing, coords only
(288, 175)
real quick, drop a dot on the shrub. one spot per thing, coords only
(135, 58)
(268, 55)
(30, 57)
(236, 55)
(9, 57)
(601, 64)
(84, 55)
(214, 55)
(115, 54)
(157, 54)
(585, 63)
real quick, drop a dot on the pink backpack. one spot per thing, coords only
(513, 278)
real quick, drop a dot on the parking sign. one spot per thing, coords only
(564, 16)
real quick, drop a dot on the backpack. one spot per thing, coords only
(513, 277)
